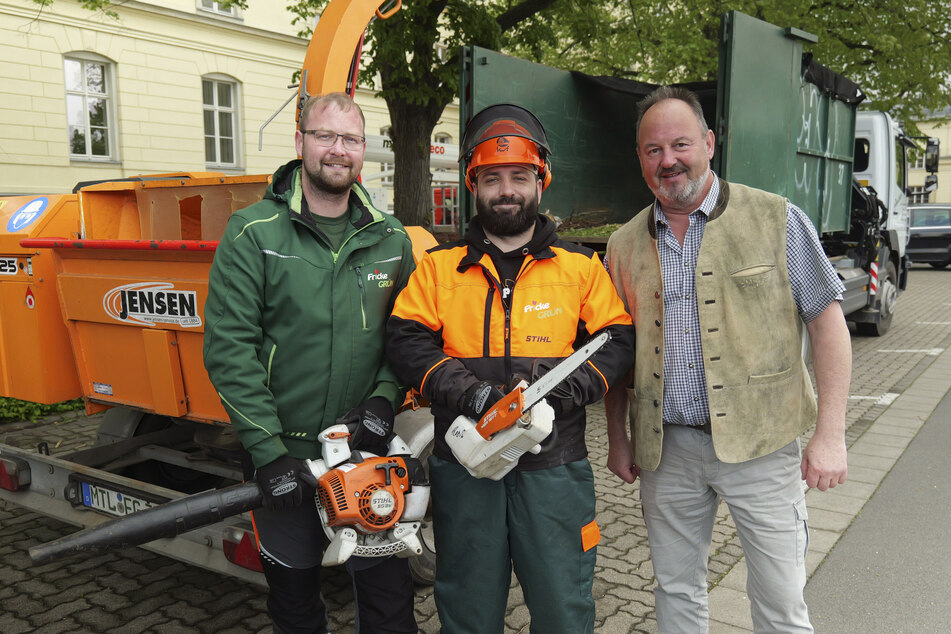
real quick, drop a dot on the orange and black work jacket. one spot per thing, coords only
(451, 328)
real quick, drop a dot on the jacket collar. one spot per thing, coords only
(286, 187)
(478, 245)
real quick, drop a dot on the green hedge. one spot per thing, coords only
(12, 409)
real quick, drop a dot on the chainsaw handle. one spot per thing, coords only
(503, 414)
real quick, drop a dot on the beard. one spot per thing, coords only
(507, 224)
(330, 183)
(686, 194)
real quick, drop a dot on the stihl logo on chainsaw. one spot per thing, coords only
(488, 418)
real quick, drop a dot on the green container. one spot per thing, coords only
(775, 129)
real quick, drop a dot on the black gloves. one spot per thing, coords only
(281, 483)
(478, 399)
(374, 419)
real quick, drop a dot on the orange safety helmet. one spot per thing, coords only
(505, 134)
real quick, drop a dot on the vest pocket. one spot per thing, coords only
(756, 269)
(763, 379)
(758, 278)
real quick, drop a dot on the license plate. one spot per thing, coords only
(112, 502)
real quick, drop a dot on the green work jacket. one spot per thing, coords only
(294, 331)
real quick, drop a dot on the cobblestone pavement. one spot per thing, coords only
(136, 591)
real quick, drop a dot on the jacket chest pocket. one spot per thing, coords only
(374, 283)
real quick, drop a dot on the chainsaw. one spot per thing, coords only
(519, 422)
(369, 506)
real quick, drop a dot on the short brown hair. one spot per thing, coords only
(340, 99)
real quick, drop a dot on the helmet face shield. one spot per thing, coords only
(505, 134)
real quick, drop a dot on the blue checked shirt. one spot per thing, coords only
(815, 285)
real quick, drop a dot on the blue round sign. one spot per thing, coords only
(27, 214)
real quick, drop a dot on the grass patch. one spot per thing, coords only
(12, 409)
(598, 231)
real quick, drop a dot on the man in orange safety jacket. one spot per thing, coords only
(509, 301)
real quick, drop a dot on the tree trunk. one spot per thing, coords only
(411, 131)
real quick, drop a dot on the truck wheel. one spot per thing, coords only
(885, 304)
(423, 567)
(939, 265)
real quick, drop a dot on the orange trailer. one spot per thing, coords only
(133, 289)
(36, 362)
(102, 296)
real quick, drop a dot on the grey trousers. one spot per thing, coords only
(766, 498)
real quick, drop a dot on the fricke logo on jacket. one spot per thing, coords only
(383, 279)
(542, 310)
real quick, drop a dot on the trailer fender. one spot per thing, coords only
(118, 423)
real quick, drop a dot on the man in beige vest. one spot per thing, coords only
(720, 279)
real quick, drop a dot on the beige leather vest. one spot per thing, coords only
(759, 390)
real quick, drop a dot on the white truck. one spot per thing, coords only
(881, 163)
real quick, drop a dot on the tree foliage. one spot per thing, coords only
(899, 51)
(415, 55)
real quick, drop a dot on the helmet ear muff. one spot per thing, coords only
(470, 185)
(545, 175)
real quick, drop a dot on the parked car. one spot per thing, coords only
(930, 240)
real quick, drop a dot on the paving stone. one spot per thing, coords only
(97, 618)
(135, 590)
(59, 611)
(10, 624)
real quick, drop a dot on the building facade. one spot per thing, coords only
(937, 125)
(168, 86)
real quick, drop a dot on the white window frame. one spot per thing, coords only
(216, 110)
(918, 195)
(211, 6)
(111, 127)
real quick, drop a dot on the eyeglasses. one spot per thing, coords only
(326, 138)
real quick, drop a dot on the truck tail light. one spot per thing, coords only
(241, 549)
(14, 474)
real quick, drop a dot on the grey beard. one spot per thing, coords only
(690, 191)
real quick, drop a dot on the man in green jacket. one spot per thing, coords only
(299, 293)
